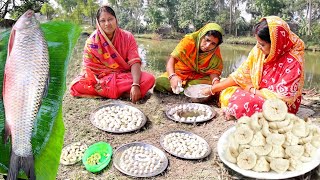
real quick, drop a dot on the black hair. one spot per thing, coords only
(216, 34)
(261, 29)
(107, 9)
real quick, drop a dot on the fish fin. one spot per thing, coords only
(46, 87)
(4, 84)
(7, 133)
(28, 166)
(17, 162)
(11, 41)
(14, 167)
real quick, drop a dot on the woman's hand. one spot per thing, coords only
(174, 82)
(97, 86)
(247, 88)
(210, 91)
(135, 94)
(206, 91)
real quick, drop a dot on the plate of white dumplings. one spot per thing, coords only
(185, 145)
(272, 144)
(140, 159)
(118, 118)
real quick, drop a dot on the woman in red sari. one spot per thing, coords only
(274, 69)
(111, 63)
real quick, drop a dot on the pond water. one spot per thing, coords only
(155, 54)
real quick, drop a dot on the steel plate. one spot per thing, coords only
(72, 145)
(188, 104)
(194, 91)
(136, 110)
(189, 133)
(121, 149)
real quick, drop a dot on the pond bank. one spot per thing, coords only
(245, 40)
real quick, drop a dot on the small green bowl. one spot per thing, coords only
(102, 148)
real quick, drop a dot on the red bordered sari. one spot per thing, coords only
(108, 63)
(280, 75)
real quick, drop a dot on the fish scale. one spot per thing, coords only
(26, 74)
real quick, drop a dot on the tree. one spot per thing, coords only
(260, 8)
(67, 5)
(4, 8)
(154, 16)
(17, 7)
(308, 15)
(129, 13)
(196, 13)
(90, 10)
(170, 9)
(77, 12)
(47, 10)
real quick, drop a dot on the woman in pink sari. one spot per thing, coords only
(111, 63)
(274, 69)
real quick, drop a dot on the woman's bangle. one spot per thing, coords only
(171, 76)
(135, 84)
(211, 91)
(215, 79)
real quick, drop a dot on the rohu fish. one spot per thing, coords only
(25, 81)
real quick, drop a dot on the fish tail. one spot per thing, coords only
(25, 163)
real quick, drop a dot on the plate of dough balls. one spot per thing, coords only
(272, 144)
(185, 145)
(118, 118)
(190, 112)
(140, 159)
(72, 153)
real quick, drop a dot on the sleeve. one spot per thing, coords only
(133, 54)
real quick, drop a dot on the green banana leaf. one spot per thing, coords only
(48, 133)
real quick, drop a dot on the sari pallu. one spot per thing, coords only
(280, 75)
(107, 66)
(191, 63)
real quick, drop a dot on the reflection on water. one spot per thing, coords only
(154, 55)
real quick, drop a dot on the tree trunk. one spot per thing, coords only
(235, 21)
(230, 21)
(5, 11)
(309, 17)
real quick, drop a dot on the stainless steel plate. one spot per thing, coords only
(188, 133)
(135, 110)
(121, 149)
(190, 104)
(75, 145)
(194, 91)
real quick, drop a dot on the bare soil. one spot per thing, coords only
(78, 128)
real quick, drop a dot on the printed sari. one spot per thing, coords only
(107, 63)
(280, 75)
(193, 66)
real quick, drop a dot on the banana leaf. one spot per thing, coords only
(48, 132)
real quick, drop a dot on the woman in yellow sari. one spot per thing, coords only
(274, 69)
(195, 60)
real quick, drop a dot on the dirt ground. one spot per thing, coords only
(78, 128)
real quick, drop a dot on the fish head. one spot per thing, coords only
(26, 21)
